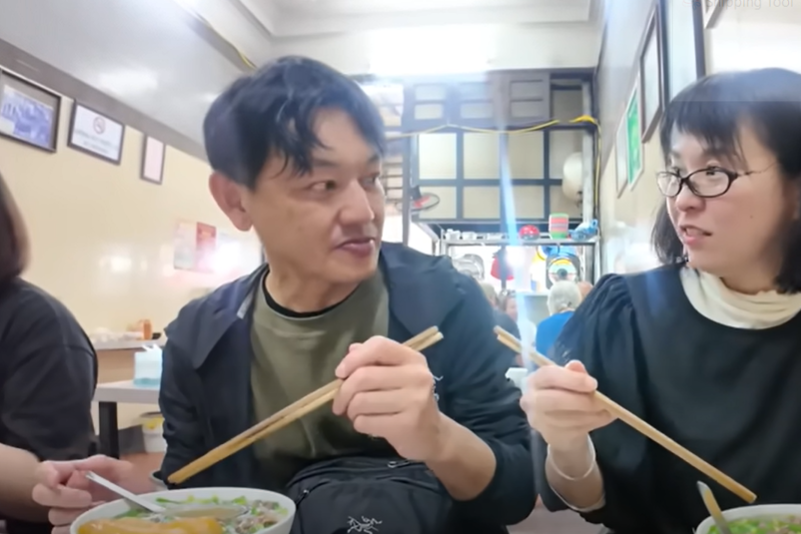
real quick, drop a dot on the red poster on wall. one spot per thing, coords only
(205, 248)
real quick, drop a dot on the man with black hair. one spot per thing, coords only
(296, 150)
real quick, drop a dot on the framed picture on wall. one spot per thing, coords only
(684, 57)
(621, 157)
(28, 113)
(633, 120)
(95, 134)
(651, 78)
(152, 160)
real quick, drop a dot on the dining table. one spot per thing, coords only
(108, 396)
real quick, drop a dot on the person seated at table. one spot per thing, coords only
(296, 150)
(705, 348)
(502, 320)
(48, 373)
(528, 330)
(563, 299)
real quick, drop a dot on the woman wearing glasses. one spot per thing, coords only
(707, 348)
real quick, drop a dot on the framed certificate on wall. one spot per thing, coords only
(95, 134)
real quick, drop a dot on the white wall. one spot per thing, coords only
(756, 33)
(524, 46)
(418, 238)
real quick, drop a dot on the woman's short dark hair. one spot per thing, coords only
(713, 109)
(13, 242)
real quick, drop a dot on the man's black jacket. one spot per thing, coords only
(205, 390)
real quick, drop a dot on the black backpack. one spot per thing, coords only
(370, 496)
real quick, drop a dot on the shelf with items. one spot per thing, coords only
(526, 265)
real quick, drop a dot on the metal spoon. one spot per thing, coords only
(124, 493)
(713, 508)
(217, 511)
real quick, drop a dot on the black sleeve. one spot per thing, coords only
(602, 334)
(182, 429)
(48, 370)
(488, 404)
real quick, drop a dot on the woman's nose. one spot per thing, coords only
(687, 200)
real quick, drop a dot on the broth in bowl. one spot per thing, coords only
(200, 511)
(758, 519)
(763, 525)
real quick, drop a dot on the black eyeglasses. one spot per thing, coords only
(709, 182)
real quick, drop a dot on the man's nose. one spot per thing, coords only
(356, 208)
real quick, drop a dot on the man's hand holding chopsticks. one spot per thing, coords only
(388, 392)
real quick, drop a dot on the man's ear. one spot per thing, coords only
(228, 195)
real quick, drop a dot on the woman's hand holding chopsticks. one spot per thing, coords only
(563, 377)
(560, 406)
(388, 392)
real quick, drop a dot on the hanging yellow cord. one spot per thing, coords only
(189, 9)
(581, 119)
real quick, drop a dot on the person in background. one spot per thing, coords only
(527, 328)
(584, 287)
(501, 319)
(48, 374)
(296, 150)
(563, 299)
(705, 348)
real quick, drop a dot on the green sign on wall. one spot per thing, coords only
(634, 161)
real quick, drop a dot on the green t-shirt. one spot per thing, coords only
(294, 356)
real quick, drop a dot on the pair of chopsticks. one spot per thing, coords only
(639, 425)
(285, 417)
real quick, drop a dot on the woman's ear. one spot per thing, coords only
(229, 197)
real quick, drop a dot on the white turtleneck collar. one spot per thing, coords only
(712, 299)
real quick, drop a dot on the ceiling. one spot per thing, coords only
(360, 7)
(155, 64)
(168, 59)
(284, 18)
(764, 14)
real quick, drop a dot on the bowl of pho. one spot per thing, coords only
(759, 519)
(194, 511)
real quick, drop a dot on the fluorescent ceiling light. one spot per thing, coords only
(432, 50)
(128, 82)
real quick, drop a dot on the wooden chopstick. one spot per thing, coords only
(639, 425)
(284, 417)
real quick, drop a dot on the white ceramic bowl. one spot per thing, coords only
(116, 508)
(752, 512)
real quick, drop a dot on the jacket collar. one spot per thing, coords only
(422, 289)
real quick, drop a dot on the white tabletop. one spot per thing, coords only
(126, 392)
(127, 344)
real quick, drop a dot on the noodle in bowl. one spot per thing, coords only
(262, 512)
(758, 519)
